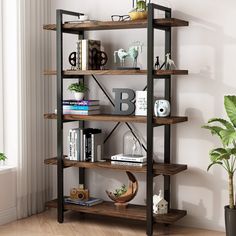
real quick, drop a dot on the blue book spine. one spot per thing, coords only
(78, 108)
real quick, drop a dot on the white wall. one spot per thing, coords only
(206, 48)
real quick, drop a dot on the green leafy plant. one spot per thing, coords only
(2, 157)
(225, 156)
(141, 5)
(78, 88)
(120, 191)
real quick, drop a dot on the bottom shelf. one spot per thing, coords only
(135, 212)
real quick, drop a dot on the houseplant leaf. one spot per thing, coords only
(230, 107)
(227, 137)
(225, 123)
(214, 163)
(213, 129)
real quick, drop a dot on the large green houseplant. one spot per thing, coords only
(225, 156)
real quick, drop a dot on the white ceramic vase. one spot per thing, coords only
(79, 95)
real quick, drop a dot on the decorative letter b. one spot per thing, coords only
(119, 101)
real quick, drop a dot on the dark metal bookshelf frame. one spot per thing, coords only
(150, 125)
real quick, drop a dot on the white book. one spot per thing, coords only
(121, 157)
(141, 103)
(124, 163)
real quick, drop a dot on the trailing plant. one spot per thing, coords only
(77, 87)
(2, 157)
(225, 156)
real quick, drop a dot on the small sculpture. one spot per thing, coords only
(160, 205)
(122, 196)
(169, 62)
(133, 53)
(162, 108)
(157, 64)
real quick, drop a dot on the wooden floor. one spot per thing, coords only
(45, 224)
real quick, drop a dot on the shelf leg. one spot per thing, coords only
(167, 134)
(149, 194)
(60, 179)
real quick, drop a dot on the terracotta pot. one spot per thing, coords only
(230, 219)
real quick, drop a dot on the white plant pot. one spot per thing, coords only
(79, 96)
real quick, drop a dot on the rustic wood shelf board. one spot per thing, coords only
(117, 72)
(116, 118)
(135, 212)
(158, 168)
(113, 25)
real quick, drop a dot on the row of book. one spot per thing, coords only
(85, 144)
(129, 160)
(86, 52)
(81, 107)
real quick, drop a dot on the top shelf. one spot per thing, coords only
(162, 24)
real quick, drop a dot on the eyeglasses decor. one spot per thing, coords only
(120, 17)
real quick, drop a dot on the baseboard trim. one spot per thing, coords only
(8, 215)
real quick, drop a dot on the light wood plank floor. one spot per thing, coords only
(45, 224)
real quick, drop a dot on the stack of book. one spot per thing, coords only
(85, 144)
(90, 202)
(85, 59)
(81, 107)
(129, 160)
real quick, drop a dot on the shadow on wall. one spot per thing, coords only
(209, 81)
(205, 180)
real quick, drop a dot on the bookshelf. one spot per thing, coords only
(167, 169)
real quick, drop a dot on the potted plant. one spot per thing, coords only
(225, 156)
(78, 89)
(139, 11)
(2, 157)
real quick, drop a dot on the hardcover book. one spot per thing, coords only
(90, 202)
(81, 102)
(80, 108)
(88, 46)
(121, 157)
(125, 163)
(78, 112)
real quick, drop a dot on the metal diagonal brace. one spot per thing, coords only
(128, 125)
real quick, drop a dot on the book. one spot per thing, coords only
(97, 145)
(80, 108)
(88, 46)
(81, 102)
(74, 152)
(90, 202)
(141, 103)
(79, 55)
(78, 112)
(129, 158)
(126, 163)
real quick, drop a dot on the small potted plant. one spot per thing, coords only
(139, 10)
(78, 89)
(225, 156)
(2, 158)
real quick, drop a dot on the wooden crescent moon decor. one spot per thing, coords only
(122, 196)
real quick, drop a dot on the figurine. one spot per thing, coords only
(133, 53)
(160, 205)
(157, 64)
(169, 63)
